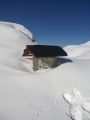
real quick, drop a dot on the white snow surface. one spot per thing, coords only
(79, 51)
(41, 95)
(79, 107)
(18, 27)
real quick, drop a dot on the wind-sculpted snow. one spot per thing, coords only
(79, 107)
(12, 44)
(29, 95)
(19, 27)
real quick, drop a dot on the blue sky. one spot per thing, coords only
(53, 22)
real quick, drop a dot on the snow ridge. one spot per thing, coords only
(87, 43)
(20, 28)
(79, 51)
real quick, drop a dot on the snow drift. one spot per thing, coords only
(28, 95)
(13, 40)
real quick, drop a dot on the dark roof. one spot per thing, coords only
(46, 50)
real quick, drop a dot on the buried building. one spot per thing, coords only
(43, 56)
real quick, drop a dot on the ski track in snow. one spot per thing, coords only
(79, 107)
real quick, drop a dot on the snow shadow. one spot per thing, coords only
(63, 60)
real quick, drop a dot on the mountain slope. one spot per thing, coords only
(79, 51)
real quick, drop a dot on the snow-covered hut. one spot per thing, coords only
(43, 56)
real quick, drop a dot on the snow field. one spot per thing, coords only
(29, 95)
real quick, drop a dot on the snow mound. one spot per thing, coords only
(20, 28)
(79, 51)
(13, 40)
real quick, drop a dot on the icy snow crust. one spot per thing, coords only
(41, 95)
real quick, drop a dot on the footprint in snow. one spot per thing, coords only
(79, 107)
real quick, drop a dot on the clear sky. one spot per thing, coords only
(53, 22)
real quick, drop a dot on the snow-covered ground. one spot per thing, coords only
(61, 93)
